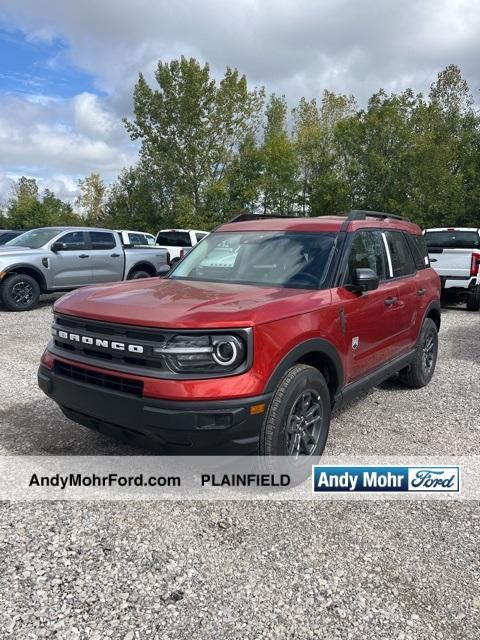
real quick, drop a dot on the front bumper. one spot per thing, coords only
(177, 427)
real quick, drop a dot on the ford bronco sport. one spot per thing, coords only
(253, 338)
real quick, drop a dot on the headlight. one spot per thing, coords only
(203, 353)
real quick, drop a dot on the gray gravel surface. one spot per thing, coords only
(371, 570)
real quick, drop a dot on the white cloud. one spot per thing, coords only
(59, 141)
(91, 118)
(296, 47)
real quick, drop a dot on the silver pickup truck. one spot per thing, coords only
(62, 258)
(455, 255)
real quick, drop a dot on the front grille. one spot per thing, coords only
(97, 379)
(144, 336)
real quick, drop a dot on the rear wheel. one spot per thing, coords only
(473, 300)
(20, 292)
(298, 418)
(421, 371)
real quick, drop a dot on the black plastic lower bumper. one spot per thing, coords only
(209, 427)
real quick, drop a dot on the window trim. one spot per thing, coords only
(405, 275)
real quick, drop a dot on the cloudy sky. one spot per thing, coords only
(67, 68)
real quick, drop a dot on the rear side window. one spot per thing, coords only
(453, 239)
(200, 236)
(366, 252)
(102, 240)
(174, 239)
(400, 254)
(418, 247)
(74, 241)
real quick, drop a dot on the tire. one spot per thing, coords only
(421, 371)
(139, 273)
(473, 300)
(20, 292)
(302, 389)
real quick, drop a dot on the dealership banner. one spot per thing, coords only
(238, 478)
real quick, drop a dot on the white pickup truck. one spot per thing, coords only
(455, 255)
(178, 242)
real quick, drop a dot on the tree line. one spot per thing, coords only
(210, 147)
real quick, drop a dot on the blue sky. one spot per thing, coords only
(67, 69)
(31, 66)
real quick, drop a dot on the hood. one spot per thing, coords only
(17, 252)
(180, 304)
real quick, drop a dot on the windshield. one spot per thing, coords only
(34, 239)
(270, 259)
(453, 239)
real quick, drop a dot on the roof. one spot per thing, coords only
(145, 233)
(474, 229)
(321, 223)
(181, 231)
(60, 229)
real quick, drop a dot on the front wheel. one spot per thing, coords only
(421, 371)
(20, 292)
(298, 418)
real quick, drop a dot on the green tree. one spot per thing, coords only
(91, 199)
(279, 182)
(190, 128)
(322, 167)
(58, 212)
(26, 209)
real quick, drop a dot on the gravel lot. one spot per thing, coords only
(379, 570)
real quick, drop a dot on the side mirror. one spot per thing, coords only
(365, 280)
(58, 246)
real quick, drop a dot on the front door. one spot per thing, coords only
(370, 319)
(71, 265)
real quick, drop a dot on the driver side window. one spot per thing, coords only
(366, 252)
(74, 241)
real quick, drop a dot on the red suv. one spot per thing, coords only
(253, 338)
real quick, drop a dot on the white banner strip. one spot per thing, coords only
(28, 478)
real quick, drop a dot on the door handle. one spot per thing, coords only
(421, 292)
(114, 255)
(389, 302)
(83, 255)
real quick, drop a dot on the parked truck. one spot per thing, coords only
(53, 259)
(455, 255)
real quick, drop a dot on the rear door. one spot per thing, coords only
(402, 272)
(71, 266)
(371, 319)
(107, 257)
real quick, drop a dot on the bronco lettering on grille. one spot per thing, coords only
(98, 342)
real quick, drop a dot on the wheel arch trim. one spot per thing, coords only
(28, 270)
(319, 346)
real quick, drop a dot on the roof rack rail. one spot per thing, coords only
(245, 217)
(361, 214)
